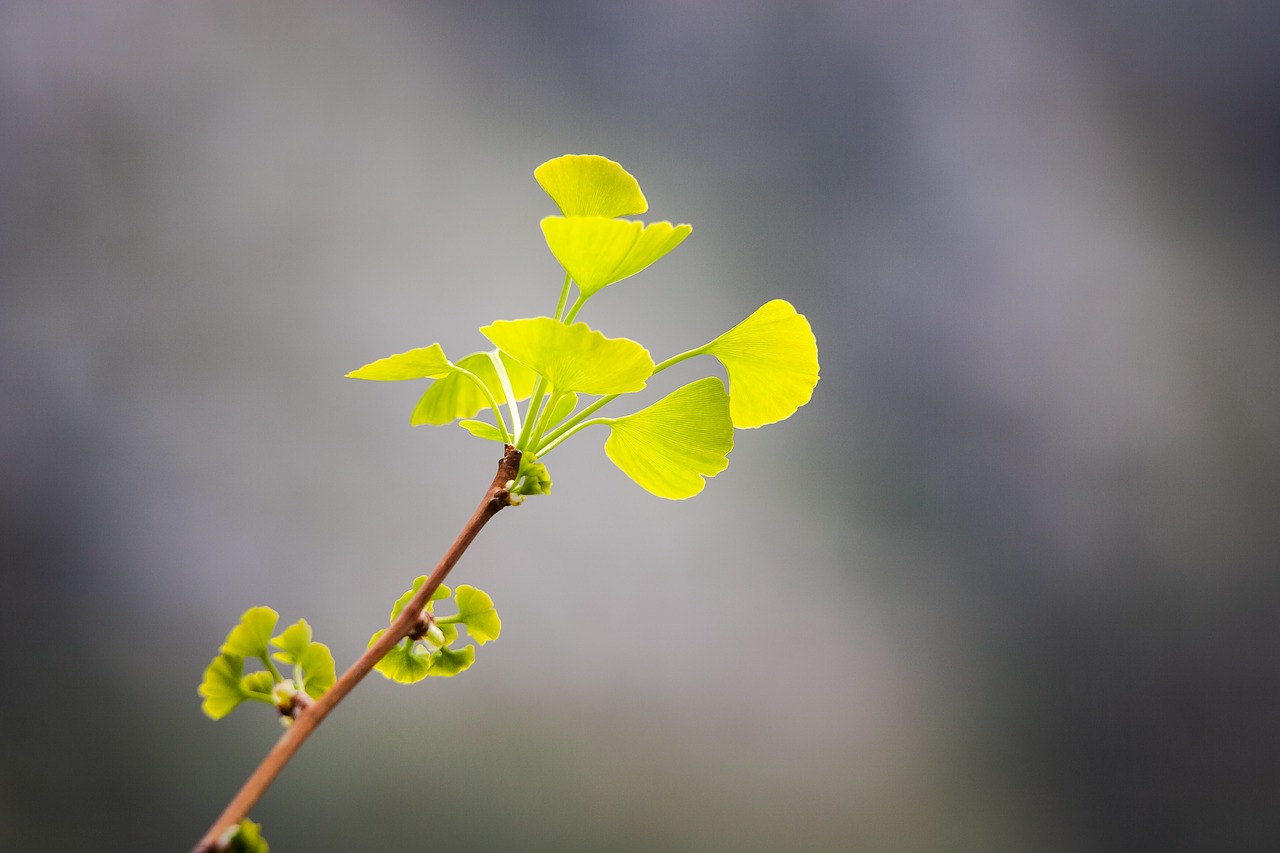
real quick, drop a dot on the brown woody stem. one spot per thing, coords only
(311, 716)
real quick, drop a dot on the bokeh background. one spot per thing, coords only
(1011, 582)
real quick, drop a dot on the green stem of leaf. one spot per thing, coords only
(555, 442)
(577, 306)
(505, 381)
(531, 415)
(564, 295)
(552, 401)
(271, 668)
(493, 403)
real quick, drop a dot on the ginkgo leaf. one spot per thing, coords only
(481, 429)
(573, 357)
(457, 396)
(259, 682)
(672, 445)
(421, 363)
(406, 663)
(292, 642)
(597, 251)
(772, 361)
(221, 688)
(447, 662)
(590, 185)
(475, 610)
(402, 602)
(312, 658)
(249, 638)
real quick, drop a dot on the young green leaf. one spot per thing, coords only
(406, 663)
(532, 477)
(456, 396)
(421, 363)
(314, 660)
(772, 361)
(475, 609)
(244, 837)
(249, 639)
(573, 357)
(597, 251)
(292, 642)
(563, 408)
(221, 688)
(402, 602)
(482, 429)
(590, 185)
(447, 662)
(260, 683)
(672, 445)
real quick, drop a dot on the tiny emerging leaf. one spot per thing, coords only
(244, 837)
(573, 357)
(590, 185)
(672, 445)
(772, 361)
(597, 251)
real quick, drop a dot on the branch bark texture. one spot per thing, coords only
(495, 498)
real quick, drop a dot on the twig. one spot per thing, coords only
(308, 718)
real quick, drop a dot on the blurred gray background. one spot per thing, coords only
(1009, 583)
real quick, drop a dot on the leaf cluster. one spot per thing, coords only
(550, 362)
(226, 685)
(429, 651)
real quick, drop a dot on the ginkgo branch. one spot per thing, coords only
(308, 718)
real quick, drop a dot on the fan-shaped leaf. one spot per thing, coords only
(221, 688)
(574, 357)
(249, 638)
(421, 363)
(313, 659)
(475, 609)
(456, 396)
(672, 445)
(597, 251)
(406, 663)
(590, 185)
(292, 642)
(402, 602)
(482, 429)
(772, 361)
(447, 662)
